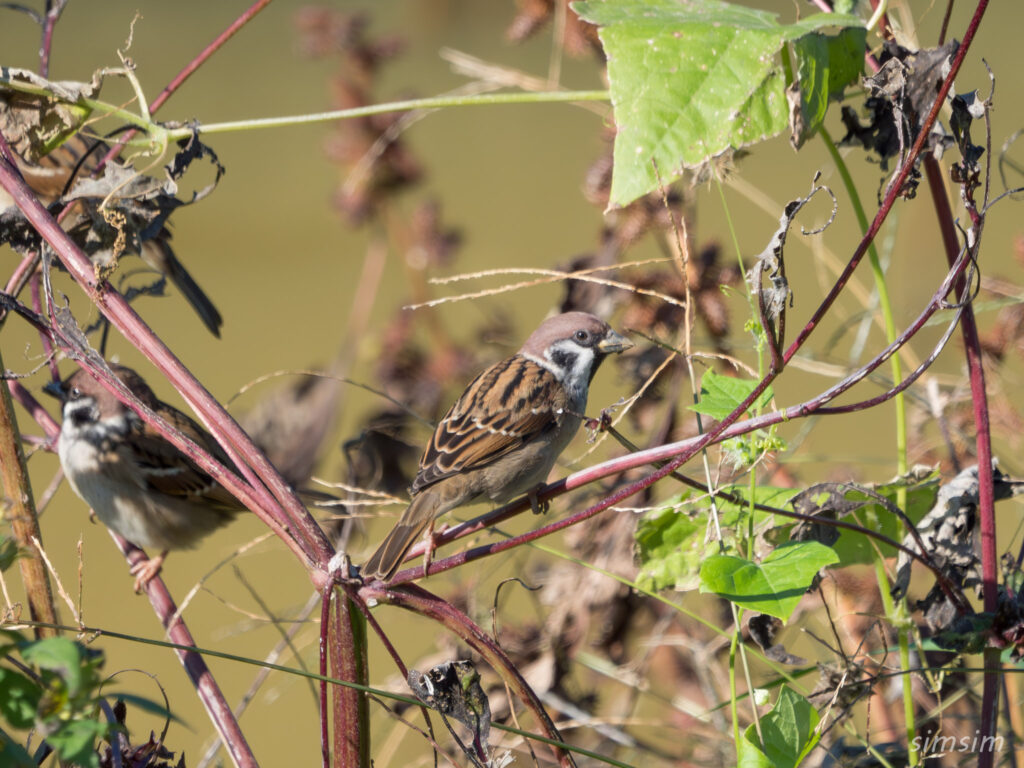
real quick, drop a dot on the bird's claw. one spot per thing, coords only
(146, 570)
(539, 507)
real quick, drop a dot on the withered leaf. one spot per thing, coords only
(36, 123)
(453, 689)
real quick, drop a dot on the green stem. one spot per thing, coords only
(733, 700)
(902, 632)
(885, 306)
(433, 102)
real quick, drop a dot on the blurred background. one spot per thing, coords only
(291, 265)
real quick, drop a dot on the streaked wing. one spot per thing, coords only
(168, 471)
(504, 407)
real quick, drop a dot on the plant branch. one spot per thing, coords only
(420, 601)
(20, 512)
(195, 666)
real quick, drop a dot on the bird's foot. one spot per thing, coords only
(147, 570)
(428, 553)
(539, 507)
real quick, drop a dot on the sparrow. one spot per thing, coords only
(136, 482)
(53, 176)
(504, 433)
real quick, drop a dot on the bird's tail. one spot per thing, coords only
(384, 563)
(158, 254)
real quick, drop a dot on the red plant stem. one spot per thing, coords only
(983, 443)
(325, 715)
(35, 409)
(206, 53)
(20, 275)
(348, 705)
(286, 513)
(184, 75)
(418, 600)
(894, 187)
(682, 451)
(195, 667)
(35, 283)
(54, 8)
(206, 686)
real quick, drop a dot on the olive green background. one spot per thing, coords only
(282, 267)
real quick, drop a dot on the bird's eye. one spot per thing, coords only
(75, 393)
(581, 336)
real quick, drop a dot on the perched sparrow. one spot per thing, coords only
(136, 482)
(505, 432)
(55, 175)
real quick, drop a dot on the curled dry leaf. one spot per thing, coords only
(111, 213)
(949, 533)
(453, 689)
(902, 92)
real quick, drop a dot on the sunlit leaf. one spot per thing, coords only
(721, 395)
(691, 81)
(773, 586)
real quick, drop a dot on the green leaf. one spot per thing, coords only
(856, 548)
(59, 655)
(788, 731)
(749, 753)
(8, 552)
(14, 755)
(773, 586)
(19, 698)
(74, 739)
(826, 64)
(721, 395)
(670, 545)
(690, 82)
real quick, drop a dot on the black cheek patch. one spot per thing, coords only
(564, 359)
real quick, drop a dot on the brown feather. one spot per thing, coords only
(482, 426)
(385, 561)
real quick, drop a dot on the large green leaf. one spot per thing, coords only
(691, 80)
(670, 547)
(773, 586)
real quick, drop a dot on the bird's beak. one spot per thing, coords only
(613, 342)
(56, 389)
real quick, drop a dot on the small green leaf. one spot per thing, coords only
(59, 655)
(773, 586)
(19, 698)
(74, 739)
(721, 395)
(750, 754)
(788, 730)
(826, 64)
(670, 545)
(14, 755)
(8, 552)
